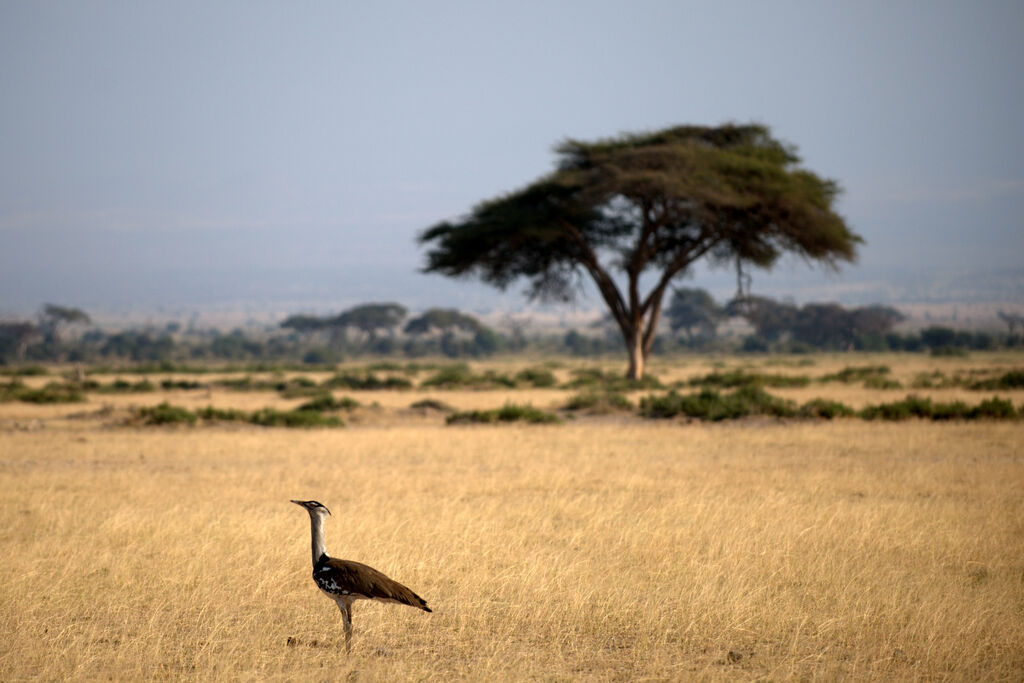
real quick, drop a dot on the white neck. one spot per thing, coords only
(316, 524)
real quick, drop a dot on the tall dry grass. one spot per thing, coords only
(597, 550)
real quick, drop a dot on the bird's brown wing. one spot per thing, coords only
(359, 579)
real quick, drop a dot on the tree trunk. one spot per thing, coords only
(637, 357)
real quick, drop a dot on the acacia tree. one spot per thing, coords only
(651, 204)
(53, 317)
(443, 319)
(368, 318)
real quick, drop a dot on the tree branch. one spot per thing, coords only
(681, 261)
(609, 292)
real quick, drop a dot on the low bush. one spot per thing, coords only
(995, 409)
(271, 417)
(913, 406)
(709, 404)
(935, 380)
(851, 374)
(11, 390)
(327, 402)
(535, 377)
(510, 412)
(166, 414)
(460, 376)
(296, 385)
(53, 392)
(25, 371)
(301, 391)
(246, 383)
(598, 402)
(366, 381)
(169, 384)
(120, 386)
(223, 414)
(432, 404)
(879, 382)
(1012, 379)
(956, 410)
(825, 409)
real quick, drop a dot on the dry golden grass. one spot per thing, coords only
(602, 549)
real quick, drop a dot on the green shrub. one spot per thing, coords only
(185, 384)
(826, 409)
(851, 374)
(271, 417)
(911, 406)
(25, 371)
(535, 377)
(240, 384)
(450, 376)
(599, 402)
(595, 378)
(585, 377)
(1012, 379)
(295, 386)
(711, 405)
(432, 404)
(53, 392)
(301, 391)
(460, 376)
(366, 381)
(510, 412)
(326, 402)
(121, 386)
(223, 414)
(934, 380)
(957, 410)
(391, 366)
(994, 408)
(879, 382)
(165, 414)
(11, 390)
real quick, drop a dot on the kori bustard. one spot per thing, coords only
(345, 581)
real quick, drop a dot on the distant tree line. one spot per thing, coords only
(788, 328)
(693, 322)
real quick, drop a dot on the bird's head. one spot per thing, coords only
(313, 507)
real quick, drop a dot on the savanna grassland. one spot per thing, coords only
(607, 546)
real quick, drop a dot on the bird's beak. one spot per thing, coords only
(297, 502)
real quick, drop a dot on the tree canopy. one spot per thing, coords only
(821, 325)
(443, 320)
(369, 318)
(693, 309)
(615, 210)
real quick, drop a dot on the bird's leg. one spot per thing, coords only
(346, 618)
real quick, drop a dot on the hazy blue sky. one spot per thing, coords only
(178, 153)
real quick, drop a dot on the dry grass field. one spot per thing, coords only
(604, 548)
